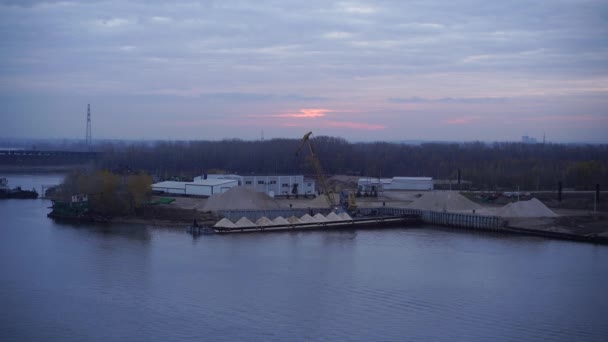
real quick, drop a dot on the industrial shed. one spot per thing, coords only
(272, 185)
(277, 185)
(205, 187)
(238, 178)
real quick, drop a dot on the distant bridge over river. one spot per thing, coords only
(39, 157)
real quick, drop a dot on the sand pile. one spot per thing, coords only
(444, 200)
(279, 221)
(531, 208)
(307, 219)
(333, 217)
(294, 220)
(240, 197)
(321, 201)
(225, 223)
(244, 222)
(264, 221)
(319, 218)
(345, 217)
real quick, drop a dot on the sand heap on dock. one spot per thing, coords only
(345, 217)
(531, 208)
(307, 219)
(294, 220)
(279, 221)
(334, 217)
(225, 223)
(264, 221)
(319, 218)
(444, 201)
(244, 222)
(240, 197)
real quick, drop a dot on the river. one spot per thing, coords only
(68, 282)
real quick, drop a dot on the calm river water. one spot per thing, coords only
(62, 282)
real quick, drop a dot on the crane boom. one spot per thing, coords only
(316, 166)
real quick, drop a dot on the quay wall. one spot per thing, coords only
(459, 220)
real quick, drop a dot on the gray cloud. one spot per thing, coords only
(341, 53)
(256, 97)
(479, 100)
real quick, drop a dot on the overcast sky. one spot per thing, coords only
(363, 70)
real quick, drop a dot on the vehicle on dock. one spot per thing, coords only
(6, 192)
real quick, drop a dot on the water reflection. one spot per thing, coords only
(130, 231)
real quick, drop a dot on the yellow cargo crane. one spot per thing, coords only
(317, 166)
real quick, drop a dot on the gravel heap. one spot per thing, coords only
(307, 219)
(531, 208)
(444, 200)
(244, 222)
(240, 197)
(334, 217)
(225, 223)
(294, 220)
(319, 218)
(346, 217)
(279, 221)
(264, 221)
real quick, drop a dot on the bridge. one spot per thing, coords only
(41, 157)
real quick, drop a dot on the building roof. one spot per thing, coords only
(182, 185)
(410, 179)
(170, 185)
(213, 181)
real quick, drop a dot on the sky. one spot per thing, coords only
(457, 70)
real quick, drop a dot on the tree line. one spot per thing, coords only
(487, 166)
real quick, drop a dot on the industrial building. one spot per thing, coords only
(238, 178)
(369, 184)
(205, 187)
(272, 185)
(281, 185)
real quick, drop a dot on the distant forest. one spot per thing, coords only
(487, 166)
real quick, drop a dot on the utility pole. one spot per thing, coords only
(88, 138)
(597, 196)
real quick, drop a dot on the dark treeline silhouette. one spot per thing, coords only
(487, 166)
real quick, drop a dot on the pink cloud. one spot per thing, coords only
(460, 121)
(306, 113)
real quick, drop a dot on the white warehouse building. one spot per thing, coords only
(272, 185)
(205, 187)
(237, 178)
(281, 185)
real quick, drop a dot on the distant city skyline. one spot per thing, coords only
(462, 70)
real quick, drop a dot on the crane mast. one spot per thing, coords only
(316, 166)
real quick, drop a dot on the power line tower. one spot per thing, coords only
(88, 136)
